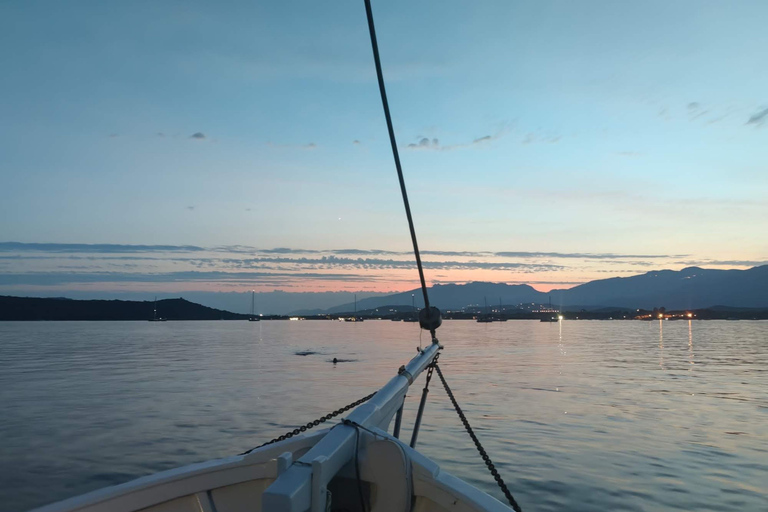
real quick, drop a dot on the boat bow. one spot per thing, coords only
(304, 484)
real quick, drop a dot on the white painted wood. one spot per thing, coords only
(291, 492)
(386, 464)
(168, 485)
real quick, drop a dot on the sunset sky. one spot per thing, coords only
(173, 146)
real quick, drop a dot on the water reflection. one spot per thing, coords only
(661, 343)
(690, 345)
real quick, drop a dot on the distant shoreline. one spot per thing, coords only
(21, 309)
(60, 309)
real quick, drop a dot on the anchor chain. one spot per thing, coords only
(312, 424)
(480, 449)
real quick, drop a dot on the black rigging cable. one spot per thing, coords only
(313, 423)
(483, 454)
(395, 153)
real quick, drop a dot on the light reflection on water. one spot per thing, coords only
(581, 415)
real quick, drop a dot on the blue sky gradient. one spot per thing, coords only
(538, 127)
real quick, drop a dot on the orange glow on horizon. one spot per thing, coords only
(391, 281)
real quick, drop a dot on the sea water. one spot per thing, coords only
(578, 416)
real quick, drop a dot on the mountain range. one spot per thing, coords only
(689, 288)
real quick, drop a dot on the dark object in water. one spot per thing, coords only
(306, 353)
(337, 360)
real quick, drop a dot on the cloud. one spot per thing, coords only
(19, 247)
(108, 265)
(368, 251)
(190, 208)
(425, 143)
(457, 253)
(628, 153)
(717, 119)
(197, 135)
(582, 255)
(311, 145)
(693, 117)
(356, 142)
(758, 118)
(378, 263)
(695, 110)
(286, 250)
(729, 263)
(94, 248)
(70, 278)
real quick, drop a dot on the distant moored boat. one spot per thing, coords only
(253, 317)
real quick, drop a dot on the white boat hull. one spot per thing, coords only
(394, 478)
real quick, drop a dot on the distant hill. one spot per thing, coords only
(27, 308)
(267, 303)
(454, 296)
(690, 288)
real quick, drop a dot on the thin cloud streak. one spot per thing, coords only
(125, 248)
(758, 118)
(55, 278)
(735, 263)
(190, 267)
(376, 263)
(94, 248)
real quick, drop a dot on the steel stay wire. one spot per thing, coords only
(395, 153)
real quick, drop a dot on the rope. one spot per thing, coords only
(395, 153)
(357, 428)
(312, 424)
(480, 449)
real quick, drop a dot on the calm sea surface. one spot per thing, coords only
(581, 416)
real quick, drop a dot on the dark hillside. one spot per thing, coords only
(28, 308)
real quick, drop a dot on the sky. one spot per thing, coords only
(231, 146)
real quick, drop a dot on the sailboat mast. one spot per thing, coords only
(253, 303)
